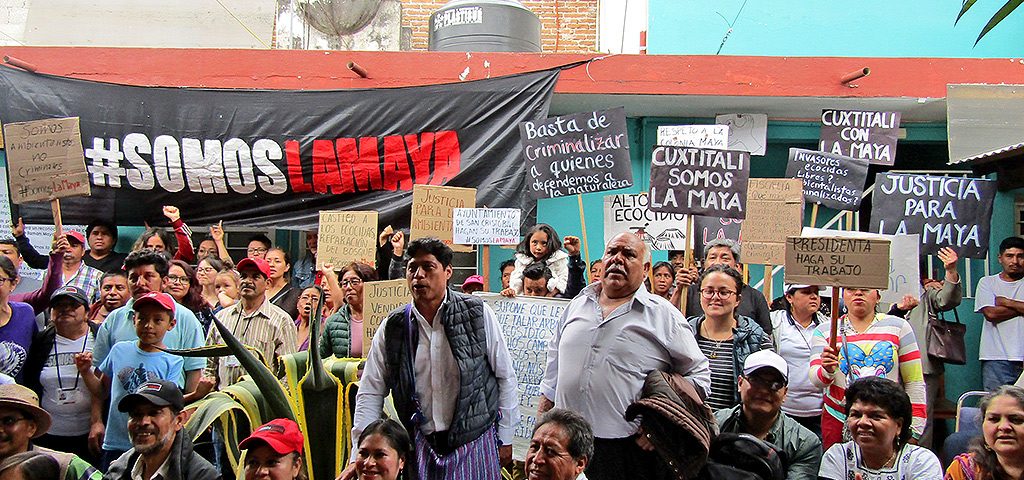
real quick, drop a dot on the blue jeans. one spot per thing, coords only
(996, 373)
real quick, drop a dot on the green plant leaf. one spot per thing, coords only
(1007, 9)
(260, 374)
(967, 5)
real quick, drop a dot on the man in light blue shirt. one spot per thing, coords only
(147, 272)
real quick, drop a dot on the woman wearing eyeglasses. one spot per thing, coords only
(184, 287)
(206, 277)
(343, 334)
(868, 344)
(725, 337)
(279, 289)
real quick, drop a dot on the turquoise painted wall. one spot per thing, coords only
(867, 28)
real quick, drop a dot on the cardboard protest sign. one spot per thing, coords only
(629, 213)
(696, 136)
(775, 210)
(838, 262)
(527, 324)
(904, 252)
(432, 208)
(950, 212)
(380, 299)
(485, 226)
(867, 135)
(45, 160)
(346, 237)
(747, 131)
(835, 181)
(706, 229)
(699, 182)
(581, 153)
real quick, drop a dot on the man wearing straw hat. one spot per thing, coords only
(21, 420)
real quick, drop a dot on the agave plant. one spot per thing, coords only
(1001, 14)
(317, 394)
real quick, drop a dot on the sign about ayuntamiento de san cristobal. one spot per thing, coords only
(580, 153)
(868, 135)
(835, 181)
(950, 212)
(699, 182)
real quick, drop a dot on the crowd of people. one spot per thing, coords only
(653, 372)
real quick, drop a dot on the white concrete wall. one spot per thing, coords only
(616, 15)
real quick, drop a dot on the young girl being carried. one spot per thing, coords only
(541, 244)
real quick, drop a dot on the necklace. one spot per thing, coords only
(718, 343)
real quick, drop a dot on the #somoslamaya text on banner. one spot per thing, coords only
(276, 158)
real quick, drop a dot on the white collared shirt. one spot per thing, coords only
(437, 377)
(159, 474)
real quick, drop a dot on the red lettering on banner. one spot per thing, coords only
(325, 168)
(360, 163)
(397, 174)
(295, 180)
(447, 157)
(420, 148)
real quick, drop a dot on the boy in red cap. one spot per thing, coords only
(268, 445)
(133, 363)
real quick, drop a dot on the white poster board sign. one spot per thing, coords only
(629, 213)
(485, 226)
(527, 324)
(904, 251)
(697, 136)
(748, 132)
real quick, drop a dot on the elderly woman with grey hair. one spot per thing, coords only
(561, 447)
(721, 251)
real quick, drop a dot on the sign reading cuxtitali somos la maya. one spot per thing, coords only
(699, 182)
(628, 212)
(574, 154)
(835, 181)
(868, 135)
(950, 212)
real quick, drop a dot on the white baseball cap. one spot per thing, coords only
(765, 358)
(792, 288)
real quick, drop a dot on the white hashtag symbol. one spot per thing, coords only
(106, 164)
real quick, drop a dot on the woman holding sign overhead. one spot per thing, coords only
(725, 337)
(343, 333)
(867, 344)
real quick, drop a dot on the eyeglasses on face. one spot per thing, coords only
(772, 385)
(9, 421)
(351, 282)
(710, 293)
(256, 250)
(177, 279)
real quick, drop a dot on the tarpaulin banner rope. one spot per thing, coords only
(275, 158)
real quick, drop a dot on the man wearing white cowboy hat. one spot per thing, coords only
(21, 420)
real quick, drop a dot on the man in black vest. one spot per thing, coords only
(444, 361)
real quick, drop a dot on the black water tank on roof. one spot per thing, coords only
(484, 26)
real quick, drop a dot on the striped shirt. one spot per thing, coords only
(268, 330)
(887, 348)
(88, 279)
(723, 385)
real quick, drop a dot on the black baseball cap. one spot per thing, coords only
(161, 393)
(72, 292)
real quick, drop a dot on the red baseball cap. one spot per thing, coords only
(282, 435)
(259, 264)
(73, 235)
(159, 299)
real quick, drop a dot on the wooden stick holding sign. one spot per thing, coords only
(768, 283)
(58, 227)
(687, 260)
(814, 215)
(835, 318)
(583, 225)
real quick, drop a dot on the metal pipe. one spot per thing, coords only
(20, 64)
(357, 69)
(854, 75)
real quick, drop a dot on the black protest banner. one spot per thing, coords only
(276, 158)
(867, 135)
(706, 229)
(950, 212)
(699, 182)
(580, 153)
(835, 181)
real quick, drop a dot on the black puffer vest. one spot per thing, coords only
(476, 406)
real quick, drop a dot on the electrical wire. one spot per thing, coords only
(258, 39)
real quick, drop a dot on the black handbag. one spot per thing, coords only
(946, 339)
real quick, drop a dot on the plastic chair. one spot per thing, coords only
(967, 417)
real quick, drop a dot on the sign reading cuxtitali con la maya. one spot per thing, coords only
(574, 154)
(868, 135)
(699, 182)
(950, 212)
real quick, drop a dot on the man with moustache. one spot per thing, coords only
(1000, 299)
(76, 272)
(445, 363)
(611, 336)
(763, 387)
(161, 450)
(114, 294)
(561, 446)
(254, 321)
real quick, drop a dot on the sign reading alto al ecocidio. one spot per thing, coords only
(346, 237)
(380, 299)
(699, 182)
(432, 211)
(527, 323)
(580, 153)
(45, 160)
(485, 226)
(628, 212)
(835, 181)
(868, 135)
(954, 212)
(838, 262)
